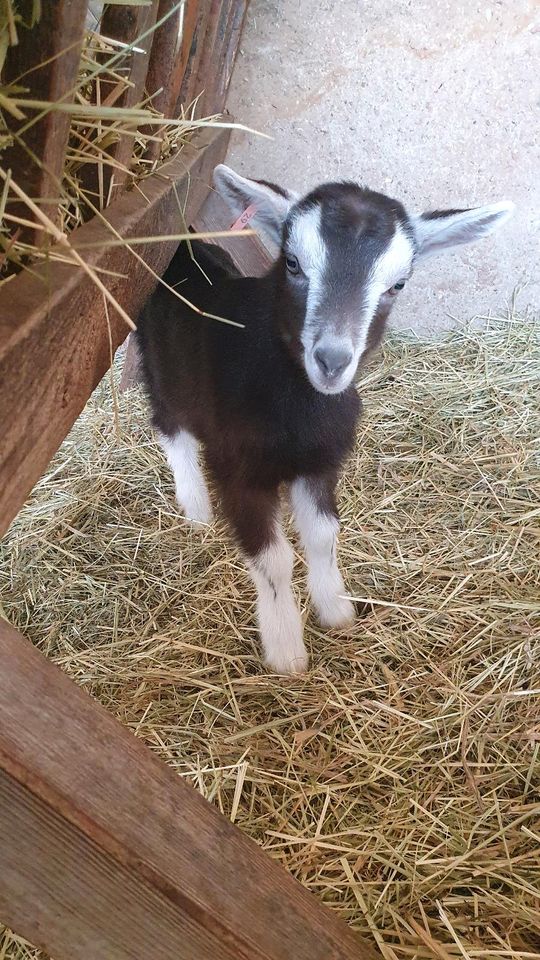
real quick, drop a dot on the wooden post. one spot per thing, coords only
(188, 89)
(166, 69)
(218, 54)
(54, 41)
(127, 24)
(108, 855)
(54, 337)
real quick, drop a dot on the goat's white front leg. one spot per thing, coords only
(254, 516)
(182, 451)
(317, 523)
(279, 618)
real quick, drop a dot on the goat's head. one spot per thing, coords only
(345, 253)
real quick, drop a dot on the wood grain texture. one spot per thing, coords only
(131, 371)
(189, 25)
(205, 75)
(215, 41)
(109, 854)
(188, 90)
(54, 341)
(166, 67)
(219, 53)
(249, 254)
(127, 24)
(230, 47)
(56, 42)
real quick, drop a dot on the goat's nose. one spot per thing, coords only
(332, 360)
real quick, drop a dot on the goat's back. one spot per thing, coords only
(191, 362)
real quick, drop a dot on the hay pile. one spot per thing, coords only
(98, 120)
(399, 779)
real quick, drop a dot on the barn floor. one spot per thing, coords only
(399, 779)
(435, 102)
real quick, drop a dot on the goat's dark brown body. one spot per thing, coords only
(241, 392)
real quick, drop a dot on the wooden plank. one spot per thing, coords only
(249, 254)
(56, 42)
(206, 67)
(188, 90)
(166, 68)
(108, 854)
(54, 341)
(219, 53)
(127, 24)
(191, 18)
(230, 49)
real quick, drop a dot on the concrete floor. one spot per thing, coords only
(433, 101)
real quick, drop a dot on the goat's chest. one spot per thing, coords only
(296, 435)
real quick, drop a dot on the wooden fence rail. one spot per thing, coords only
(108, 854)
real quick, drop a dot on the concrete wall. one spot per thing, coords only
(432, 101)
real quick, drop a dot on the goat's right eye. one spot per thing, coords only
(396, 288)
(292, 265)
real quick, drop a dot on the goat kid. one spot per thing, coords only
(273, 402)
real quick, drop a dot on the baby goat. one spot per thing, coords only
(273, 402)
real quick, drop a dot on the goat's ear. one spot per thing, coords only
(272, 203)
(443, 229)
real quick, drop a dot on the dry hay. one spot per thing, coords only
(399, 779)
(98, 120)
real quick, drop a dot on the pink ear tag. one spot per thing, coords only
(245, 217)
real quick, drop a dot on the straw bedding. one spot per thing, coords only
(399, 779)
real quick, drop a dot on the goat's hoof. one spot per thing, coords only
(288, 661)
(197, 514)
(337, 613)
(199, 523)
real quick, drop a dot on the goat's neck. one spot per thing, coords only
(285, 314)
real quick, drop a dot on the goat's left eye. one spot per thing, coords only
(292, 265)
(397, 287)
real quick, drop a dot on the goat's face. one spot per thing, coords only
(346, 252)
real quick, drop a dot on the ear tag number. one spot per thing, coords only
(245, 217)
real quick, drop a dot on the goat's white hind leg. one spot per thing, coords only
(315, 515)
(182, 452)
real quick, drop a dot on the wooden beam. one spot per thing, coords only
(188, 90)
(189, 25)
(127, 24)
(230, 48)
(166, 67)
(108, 855)
(219, 53)
(249, 254)
(54, 339)
(207, 68)
(215, 40)
(54, 41)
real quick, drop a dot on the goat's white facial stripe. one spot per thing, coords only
(392, 265)
(307, 244)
